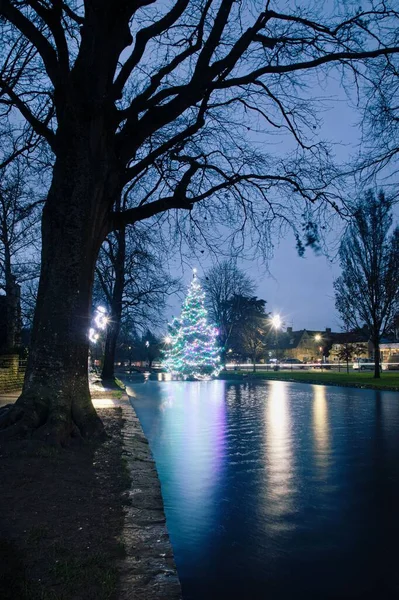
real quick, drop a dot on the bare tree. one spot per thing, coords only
(347, 352)
(249, 326)
(132, 279)
(368, 289)
(379, 150)
(221, 283)
(164, 98)
(19, 220)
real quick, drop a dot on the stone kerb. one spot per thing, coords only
(148, 571)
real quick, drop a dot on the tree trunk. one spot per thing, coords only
(55, 401)
(13, 298)
(377, 371)
(115, 308)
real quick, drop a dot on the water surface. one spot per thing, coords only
(276, 490)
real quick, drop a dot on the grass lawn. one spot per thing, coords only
(388, 380)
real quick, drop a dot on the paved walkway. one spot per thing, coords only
(8, 398)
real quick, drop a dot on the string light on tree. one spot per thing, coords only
(101, 318)
(93, 335)
(192, 344)
(101, 321)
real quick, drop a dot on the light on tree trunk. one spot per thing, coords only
(93, 335)
(101, 318)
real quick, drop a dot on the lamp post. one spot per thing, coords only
(317, 339)
(147, 345)
(276, 324)
(130, 359)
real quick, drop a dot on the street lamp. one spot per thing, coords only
(317, 339)
(276, 324)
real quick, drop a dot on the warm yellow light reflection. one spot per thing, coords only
(103, 402)
(320, 422)
(164, 376)
(279, 460)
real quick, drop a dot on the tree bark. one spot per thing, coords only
(377, 371)
(13, 297)
(108, 371)
(55, 401)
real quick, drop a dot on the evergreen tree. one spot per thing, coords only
(192, 349)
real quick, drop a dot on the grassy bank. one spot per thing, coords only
(388, 381)
(61, 516)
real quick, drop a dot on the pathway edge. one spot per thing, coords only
(148, 571)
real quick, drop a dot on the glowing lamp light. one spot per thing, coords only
(317, 337)
(276, 321)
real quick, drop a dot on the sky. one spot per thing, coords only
(301, 289)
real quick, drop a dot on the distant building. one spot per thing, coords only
(389, 352)
(305, 345)
(358, 341)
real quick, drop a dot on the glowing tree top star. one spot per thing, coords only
(192, 349)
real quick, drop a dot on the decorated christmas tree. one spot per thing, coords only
(192, 350)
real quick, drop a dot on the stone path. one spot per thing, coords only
(148, 571)
(8, 398)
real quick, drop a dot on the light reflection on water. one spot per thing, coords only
(277, 490)
(278, 453)
(321, 434)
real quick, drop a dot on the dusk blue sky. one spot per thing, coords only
(301, 289)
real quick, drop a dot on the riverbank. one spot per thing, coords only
(388, 381)
(85, 522)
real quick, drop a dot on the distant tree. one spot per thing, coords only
(19, 230)
(150, 347)
(368, 289)
(249, 329)
(347, 352)
(132, 281)
(221, 283)
(380, 125)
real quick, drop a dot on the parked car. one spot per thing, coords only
(392, 364)
(367, 364)
(292, 361)
(322, 365)
(287, 362)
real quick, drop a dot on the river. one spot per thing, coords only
(277, 490)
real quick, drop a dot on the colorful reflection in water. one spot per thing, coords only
(277, 490)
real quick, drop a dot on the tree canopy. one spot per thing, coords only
(183, 90)
(367, 292)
